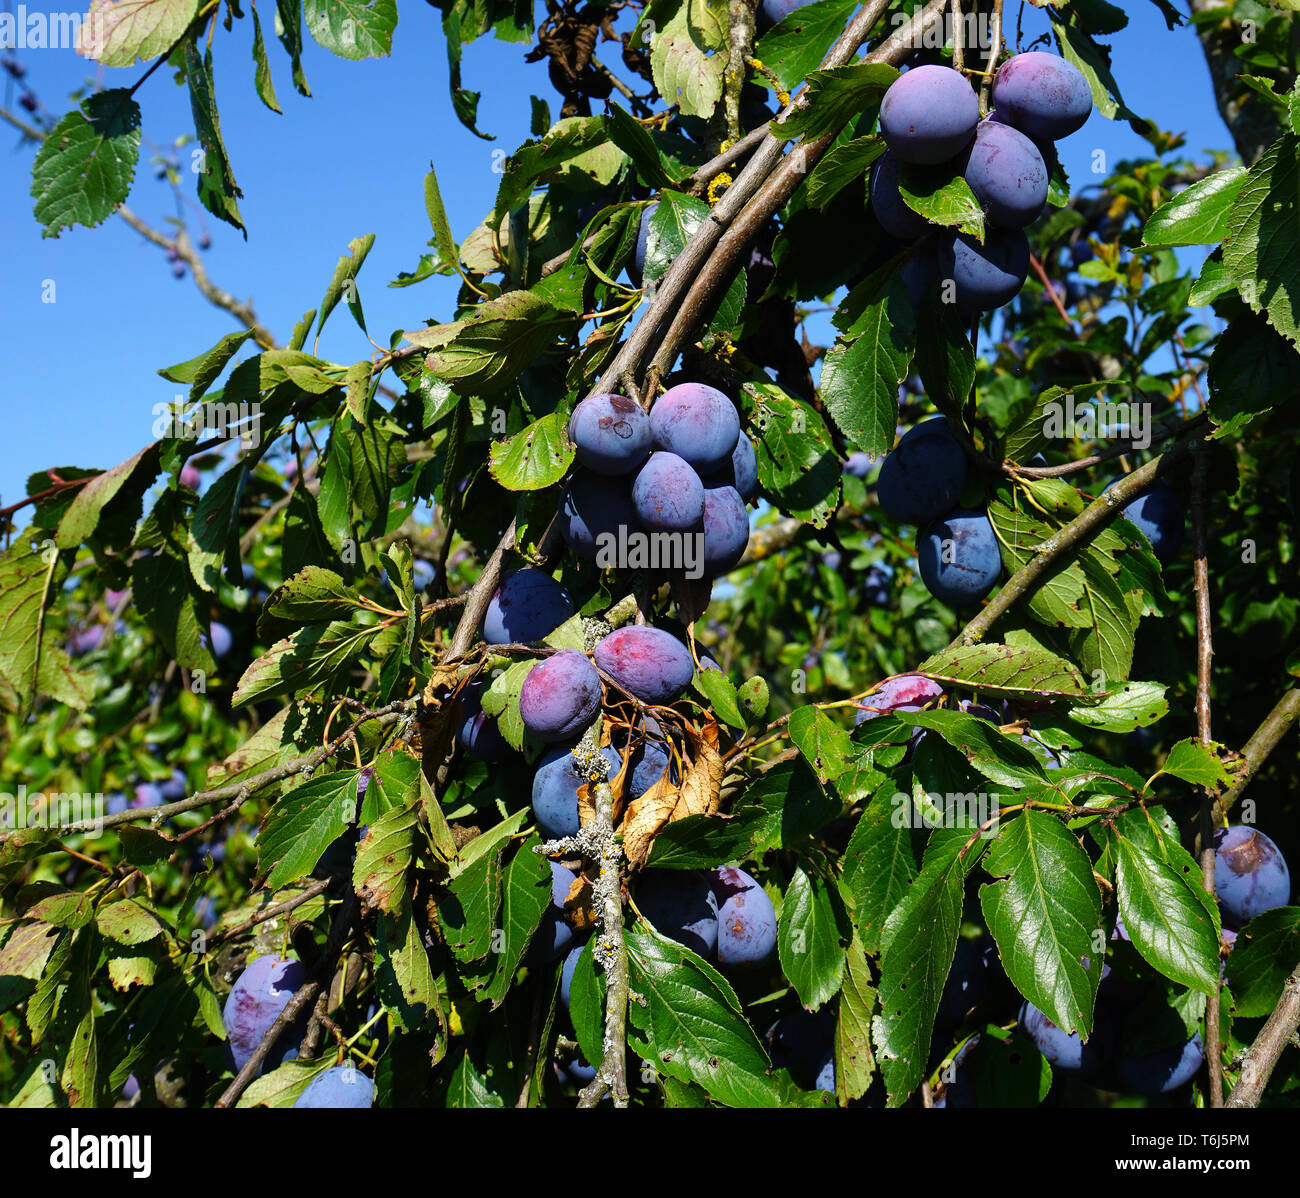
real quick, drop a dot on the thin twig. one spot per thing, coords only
(1204, 654)
(1271, 730)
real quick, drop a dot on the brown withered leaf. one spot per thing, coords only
(437, 720)
(577, 906)
(701, 782)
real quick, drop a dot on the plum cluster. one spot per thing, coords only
(684, 468)
(921, 482)
(931, 116)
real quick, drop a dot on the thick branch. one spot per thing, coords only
(1273, 728)
(1274, 1036)
(711, 276)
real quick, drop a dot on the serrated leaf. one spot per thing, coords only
(128, 923)
(1167, 922)
(717, 688)
(687, 71)
(812, 937)
(797, 464)
(536, 457)
(383, 858)
(353, 29)
(468, 913)
(942, 197)
(525, 897)
(1044, 914)
(262, 79)
(405, 983)
(1134, 705)
(797, 44)
(1198, 215)
(469, 1090)
(302, 825)
(855, 1063)
(117, 33)
(835, 96)
(861, 374)
(282, 1086)
(1201, 765)
(919, 942)
(344, 283)
(85, 167)
(824, 744)
(311, 595)
(999, 758)
(692, 1023)
(879, 865)
(842, 165)
(1006, 670)
(217, 187)
(301, 661)
(1262, 251)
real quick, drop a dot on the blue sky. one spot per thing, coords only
(79, 375)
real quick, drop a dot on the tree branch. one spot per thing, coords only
(1274, 1036)
(1204, 654)
(1101, 511)
(1274, 727)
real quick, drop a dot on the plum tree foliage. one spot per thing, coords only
(760, 723)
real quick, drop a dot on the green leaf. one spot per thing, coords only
(576, 145)
(753, 695)
(29, 659)
(282, 1085)
(313, 594)
(1198, 215)
(82, 516)
(383, 858)
(945, 359)
(941, 196)
(1263, 250)
(1252, 370)
(798, 467)
(843, 164)
(218, 190)
(344, 283)
(468, 912)
(919, 942)
(289, 30)
(1045, 914)
(835, 96)
(300, 662)
(692, 1025)
(203, 371)
(405, 982)
(999, 758)
(213, 530)
(1093, 60)
(485, 352)
(117, 33)
(81, 1066)
(879, 863)
(1134, 705)
(534, 458)
(855, 1063)
(353, 28)
(685, 58)
(262, 79)
(128, 922)
(861, 374)
(812, 936)
(1262, 959)
(824, 744)
(718, 689)
(634, 139)
(797, 44)
(469, 1089)
(303, 824)
(1006, 670)
(1168, 923)
(525, 897)
(1201, 765)
(84, 168)
(784, 805)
